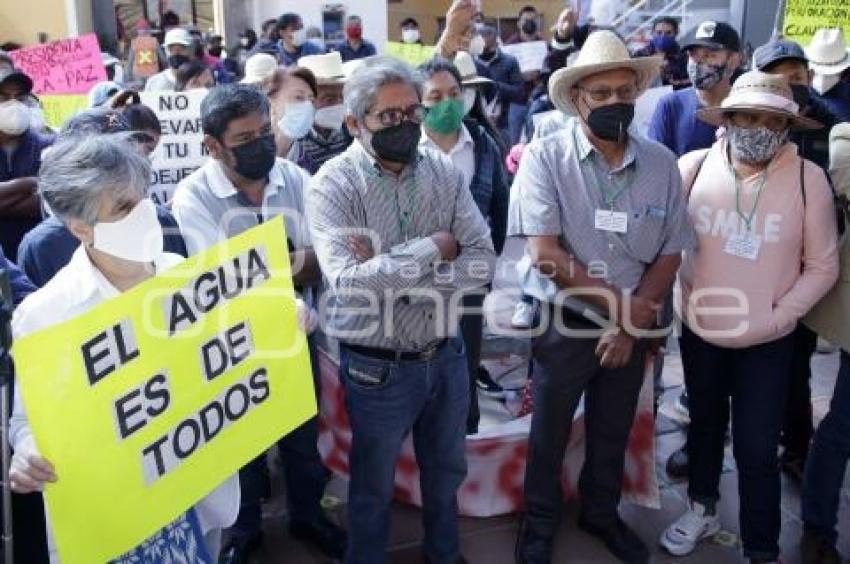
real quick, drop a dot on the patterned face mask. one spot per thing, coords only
(704, 76)
(756, 145)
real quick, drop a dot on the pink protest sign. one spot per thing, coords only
(66, 66)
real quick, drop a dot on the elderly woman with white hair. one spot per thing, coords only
(96, 186)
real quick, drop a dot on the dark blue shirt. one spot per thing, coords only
(348, 53)
(837, 100)
(503, 70)
(288, 59)
(25, 161)
(675, 125)
(48, 248)
(21, 286)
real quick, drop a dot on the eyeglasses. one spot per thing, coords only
(626, 93)
(749, 121)
(394, 116)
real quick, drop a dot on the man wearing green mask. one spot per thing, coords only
(456, 126)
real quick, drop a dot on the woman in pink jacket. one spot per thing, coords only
(767, 253)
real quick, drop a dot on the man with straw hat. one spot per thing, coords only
(829, 59)
(604, 217)
(328, 138)
(830, 449)
(766, 254)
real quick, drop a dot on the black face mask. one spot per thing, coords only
(611, 122)
(801, 95)
(487, 55)
(397, 144)
(174, 61)
(255, 159)
(529, 27)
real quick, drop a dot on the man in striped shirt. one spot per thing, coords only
(399, 240)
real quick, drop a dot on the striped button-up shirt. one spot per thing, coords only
(558, 189)
(402, 297)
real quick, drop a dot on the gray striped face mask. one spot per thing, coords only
(755, 145)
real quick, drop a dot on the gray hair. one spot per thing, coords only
(76, 172)
(362, 88)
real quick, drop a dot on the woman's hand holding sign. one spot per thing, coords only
(29, 470)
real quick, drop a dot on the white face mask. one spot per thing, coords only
(330, 117)
(137, 237)
(299, 37)
(410, 35)
(823, 83)
(245, 41)
(476, 46)
(14, 117)
(468, 100)
(297, 119)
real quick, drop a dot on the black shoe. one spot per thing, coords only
(487, 386)
(328, 538)
(532, 548)
(239, 552)
(677, 464)
(818, 550)
(619, 540)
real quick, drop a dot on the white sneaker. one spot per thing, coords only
(523, 316)
(681, 537)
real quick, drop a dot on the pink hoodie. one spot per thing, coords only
(735, 302)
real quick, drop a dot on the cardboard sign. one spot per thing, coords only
(149, 401)
(181, 150)
(803, 18)
(411, 53)
(66, 66)
(58, 108)
(145, 59)
(530, 54)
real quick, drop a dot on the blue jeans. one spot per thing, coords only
(756, 379)
(385, 400)
(828, 460)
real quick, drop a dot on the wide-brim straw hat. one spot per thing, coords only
(327, 68)
(759, 92)
(827, 52)
(603, 51)
(465, 65)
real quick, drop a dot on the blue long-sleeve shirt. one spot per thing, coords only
(21, 286)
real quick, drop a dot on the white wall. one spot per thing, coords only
(373, 12)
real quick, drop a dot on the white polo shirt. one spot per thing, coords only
(462, 154)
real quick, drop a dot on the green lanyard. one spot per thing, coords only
(608, 198)
(747, 218)
(405, 218)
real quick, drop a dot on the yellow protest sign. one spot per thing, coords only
(804, 17)
(150, 400)
(59, 107)
(411, 53)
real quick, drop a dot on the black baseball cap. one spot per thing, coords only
(713, 35)
(776, 51)
(14, 76)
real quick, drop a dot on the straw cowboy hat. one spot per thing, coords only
(468, 73)
(757, 91)
(828, 53)
(326, 68)
(603, 51)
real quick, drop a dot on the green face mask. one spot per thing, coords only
(445, 117)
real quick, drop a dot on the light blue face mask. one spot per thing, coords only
(297, 119)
